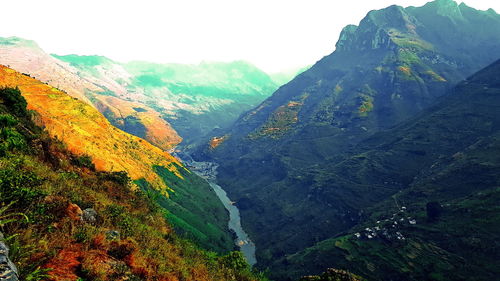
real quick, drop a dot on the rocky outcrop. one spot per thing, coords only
(8, 270)
(89, 215)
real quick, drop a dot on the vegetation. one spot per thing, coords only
(51, 238)
(96, 145)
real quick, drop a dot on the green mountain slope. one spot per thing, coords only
(437, 217)
(275, 162)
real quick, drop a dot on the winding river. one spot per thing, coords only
(208, 171)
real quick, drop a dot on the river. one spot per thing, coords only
(208, 171)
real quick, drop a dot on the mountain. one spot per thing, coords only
(63, 220)
(195, 99)
(192, 206)
(277, 161)
(100, 90)
(432, 212)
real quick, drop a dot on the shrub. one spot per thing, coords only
(120, 177)
(235, 261)
(83, 161)
(14, 101)
(7, 120)
(19, 186)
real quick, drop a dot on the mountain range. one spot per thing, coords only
(162, 103)
(379, 162)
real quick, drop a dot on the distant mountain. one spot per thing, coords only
(99, 90)
(277, 160)
(195, 99)
(193, 208)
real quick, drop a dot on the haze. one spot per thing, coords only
(274, 35)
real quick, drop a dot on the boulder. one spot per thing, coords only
(89, 215)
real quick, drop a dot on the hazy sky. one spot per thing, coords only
(273, 34)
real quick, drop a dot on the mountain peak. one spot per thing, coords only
(445, 8)
(374, 31)
(346, 35)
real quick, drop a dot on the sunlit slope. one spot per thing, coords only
(27, 57)
(86, 131)
(138, 119)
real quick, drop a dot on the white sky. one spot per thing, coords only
(273, 34)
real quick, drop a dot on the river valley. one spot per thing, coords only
(208, 171)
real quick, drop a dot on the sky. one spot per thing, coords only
(275, 35)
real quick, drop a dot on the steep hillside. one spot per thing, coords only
(432, 212)
(275, 161)
(62, 220)
(100, 90)
(86, 132)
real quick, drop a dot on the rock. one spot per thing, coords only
(89, 215)
(112, 234)
(8, 270)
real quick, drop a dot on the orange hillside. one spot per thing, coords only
(86, 131)
(158, 131)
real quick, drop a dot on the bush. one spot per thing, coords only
(14, 101)
(120, 178)
(235, 261)
(19, 186)
(83, 161)
(7, 120)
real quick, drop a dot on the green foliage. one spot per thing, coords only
(7, 217)
(11, 139)
(19, 186)
(235, 261)
(122, 219)
(7, 120)
(39, 274)
(83, 161)
(119, 177)
(14, 101)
